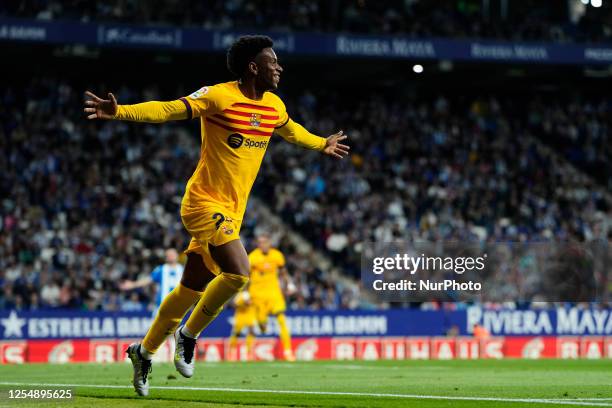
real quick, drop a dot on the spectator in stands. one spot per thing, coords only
(420, 18)
(84, 210)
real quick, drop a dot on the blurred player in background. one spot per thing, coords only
(244, 318)
(268, 277)
(167, 276)
(237, 120)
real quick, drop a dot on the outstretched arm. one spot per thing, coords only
(152, 112)
(295, 133)
(140, 283)
(286, 281)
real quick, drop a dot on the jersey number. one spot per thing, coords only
(220, 221)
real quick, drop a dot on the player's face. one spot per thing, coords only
(263, 243)
(171, 256)
(269, 70)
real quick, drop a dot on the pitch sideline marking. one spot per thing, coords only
(338, 393)
(587, 399)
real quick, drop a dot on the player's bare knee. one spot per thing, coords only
(196, 285)
(240, 266)
(196, 275)
(236, 267)
(244, 269)
(238, 271)
(232, 258)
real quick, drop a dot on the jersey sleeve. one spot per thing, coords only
(203, 102)
(156, 275)
(153, 111)
(295, 133)
(283, 116)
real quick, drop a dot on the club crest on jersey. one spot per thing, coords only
(255, 119)
(227, 230)
(199, 93)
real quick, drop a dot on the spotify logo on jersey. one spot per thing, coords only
(235, 140)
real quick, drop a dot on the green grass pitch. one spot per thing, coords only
(478, 383)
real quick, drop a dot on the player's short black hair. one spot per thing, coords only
(243, 50)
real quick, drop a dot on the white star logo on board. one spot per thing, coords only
(13, 325)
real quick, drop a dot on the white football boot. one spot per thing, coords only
(184, 350)
(142, 368)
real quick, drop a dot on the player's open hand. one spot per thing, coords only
(333, 147)
(99, 108)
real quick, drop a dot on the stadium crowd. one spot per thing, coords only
(530, 20)
(579, 131)
(86, 205)
(468, 169)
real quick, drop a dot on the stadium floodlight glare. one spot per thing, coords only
(596, 3)
(418, 68)
(585, 2)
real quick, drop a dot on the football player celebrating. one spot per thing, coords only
(237, 120)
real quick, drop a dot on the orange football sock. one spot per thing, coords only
(285, 336)
(250, 339)
(170, 313)
(218, 292)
